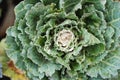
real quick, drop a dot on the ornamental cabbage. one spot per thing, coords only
(66, 39)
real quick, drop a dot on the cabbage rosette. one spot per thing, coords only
(66, 39)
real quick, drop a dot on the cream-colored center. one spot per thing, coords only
(64, 38)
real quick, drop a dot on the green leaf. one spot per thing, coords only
(31, 1)
(36, 57)
(46, 2)
(55, 76)
(113, 19)
(32, 15)
(70, 5)
(22, 25)
(74, 5)
(95, 49)
(93, 72)
(107, 67)
(32, 69)
(99, 4)
(49, 68)
(11, 40)
(103, 1)
(116, 77)
(113, 13)
(88, 38)
(63, 62)
(19, 7)
(108, 36)
(40, 41)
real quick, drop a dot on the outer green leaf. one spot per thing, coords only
(31, 1)
(89, 39)
(46, 2)
(70, 5)
(49, 68)
(35, 56)
(32, 70)
(112, 64)
(96, 49)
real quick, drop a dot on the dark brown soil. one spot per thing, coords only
(7, 18)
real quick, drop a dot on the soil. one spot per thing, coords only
(7, 16)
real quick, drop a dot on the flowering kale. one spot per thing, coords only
(66, 39)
